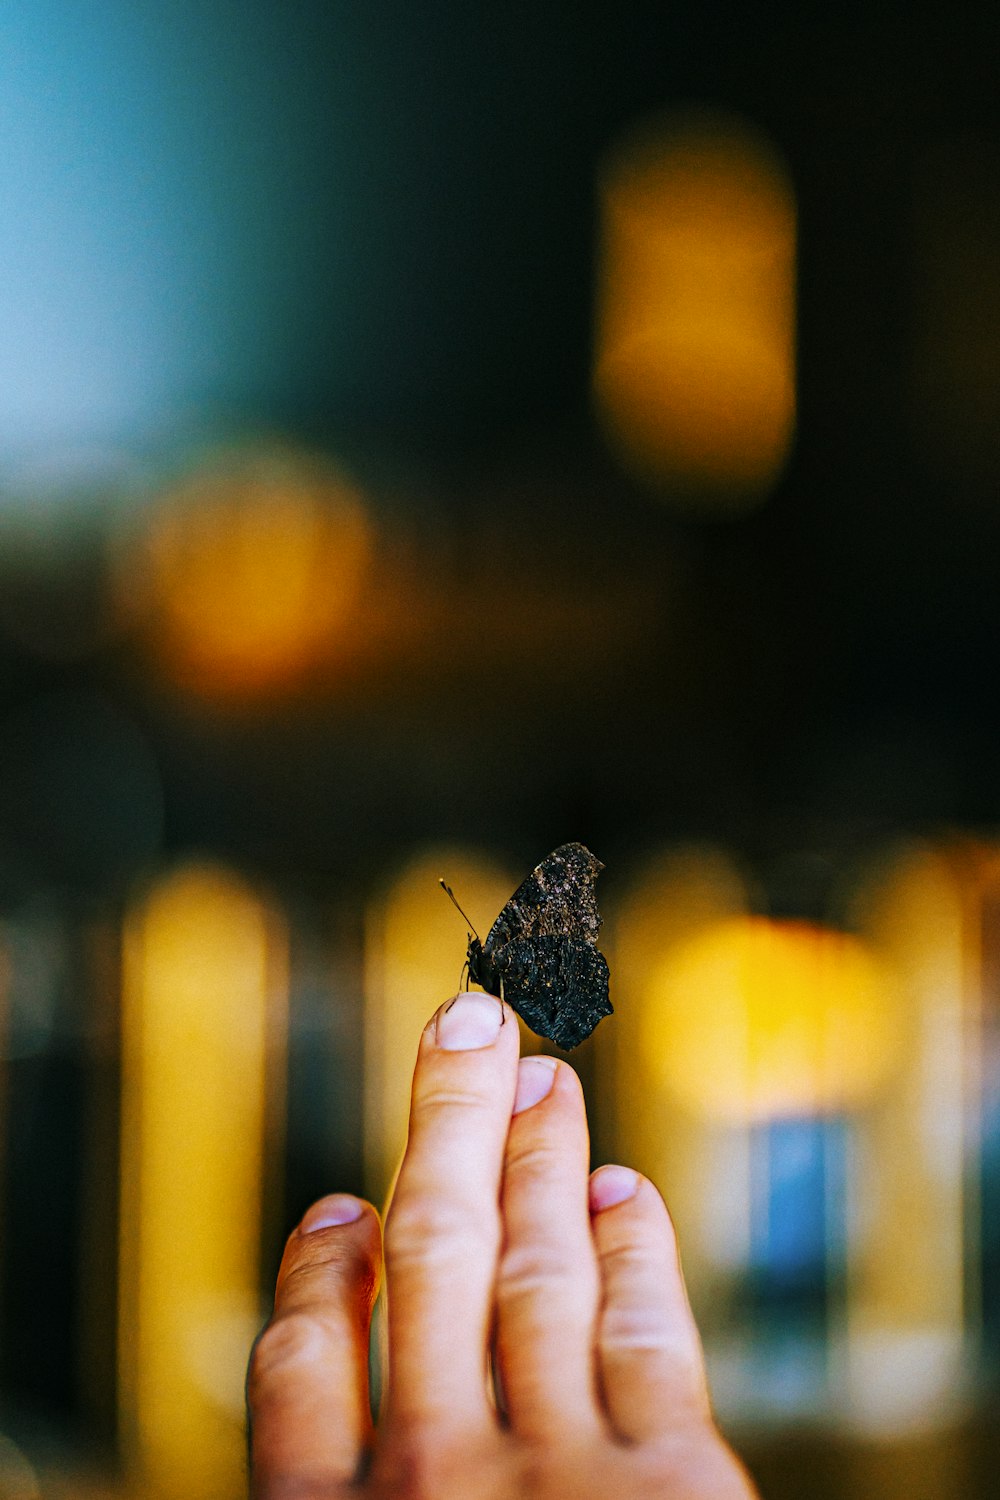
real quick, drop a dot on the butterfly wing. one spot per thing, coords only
(558, 984)
(543, 948)
(557, 899)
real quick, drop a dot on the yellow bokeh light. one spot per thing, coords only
(204, 1004)
(754, 1018)
(252, 568)
(694, 373)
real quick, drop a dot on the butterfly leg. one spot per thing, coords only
(463, 984)
(466, 974)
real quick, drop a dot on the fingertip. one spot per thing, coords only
(339, 1235)
(468, 1022)
(333, 1210)
(609, 1186)
(536, 1077)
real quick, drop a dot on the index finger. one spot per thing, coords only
(442, 1233)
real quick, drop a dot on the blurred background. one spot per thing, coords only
(428, 435)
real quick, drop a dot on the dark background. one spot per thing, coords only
(376, 234)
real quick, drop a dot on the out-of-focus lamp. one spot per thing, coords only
(247, 573)
(754, 1018)
(694, 368)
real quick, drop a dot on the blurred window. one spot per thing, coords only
(797, 1219)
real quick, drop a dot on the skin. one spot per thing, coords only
(496, 1242)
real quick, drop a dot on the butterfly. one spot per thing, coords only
(541, 954)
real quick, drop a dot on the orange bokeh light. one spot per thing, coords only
(694, 373)
(252, 568)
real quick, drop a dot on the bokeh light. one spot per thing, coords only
(694, 369)
(247, 571)
(756, 1018)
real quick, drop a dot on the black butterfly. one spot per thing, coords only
(541, 954)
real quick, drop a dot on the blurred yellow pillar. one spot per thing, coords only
(203, 1031)
(685, 893)
(904, 1335)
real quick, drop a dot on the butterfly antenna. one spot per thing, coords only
(451, 894)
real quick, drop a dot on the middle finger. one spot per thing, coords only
(547, 1287)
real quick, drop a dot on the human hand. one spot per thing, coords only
(492, 1241)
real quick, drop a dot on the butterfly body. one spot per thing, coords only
(541, 953)
(481, 970)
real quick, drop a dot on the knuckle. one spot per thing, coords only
(428, 1463)
(413, 1472)
(637, 1328)
(434, 1228)
(285, 1344)
(442, 1099)
(544, 1467)
(537, 1160)
(539, 1270)
(625, 1258)
(340, 1276)
(632, 1261)
(627, 1333)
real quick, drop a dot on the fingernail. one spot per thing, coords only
(339, 1208)
(535, 1077)
(612, 1185)
(470, 1020)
